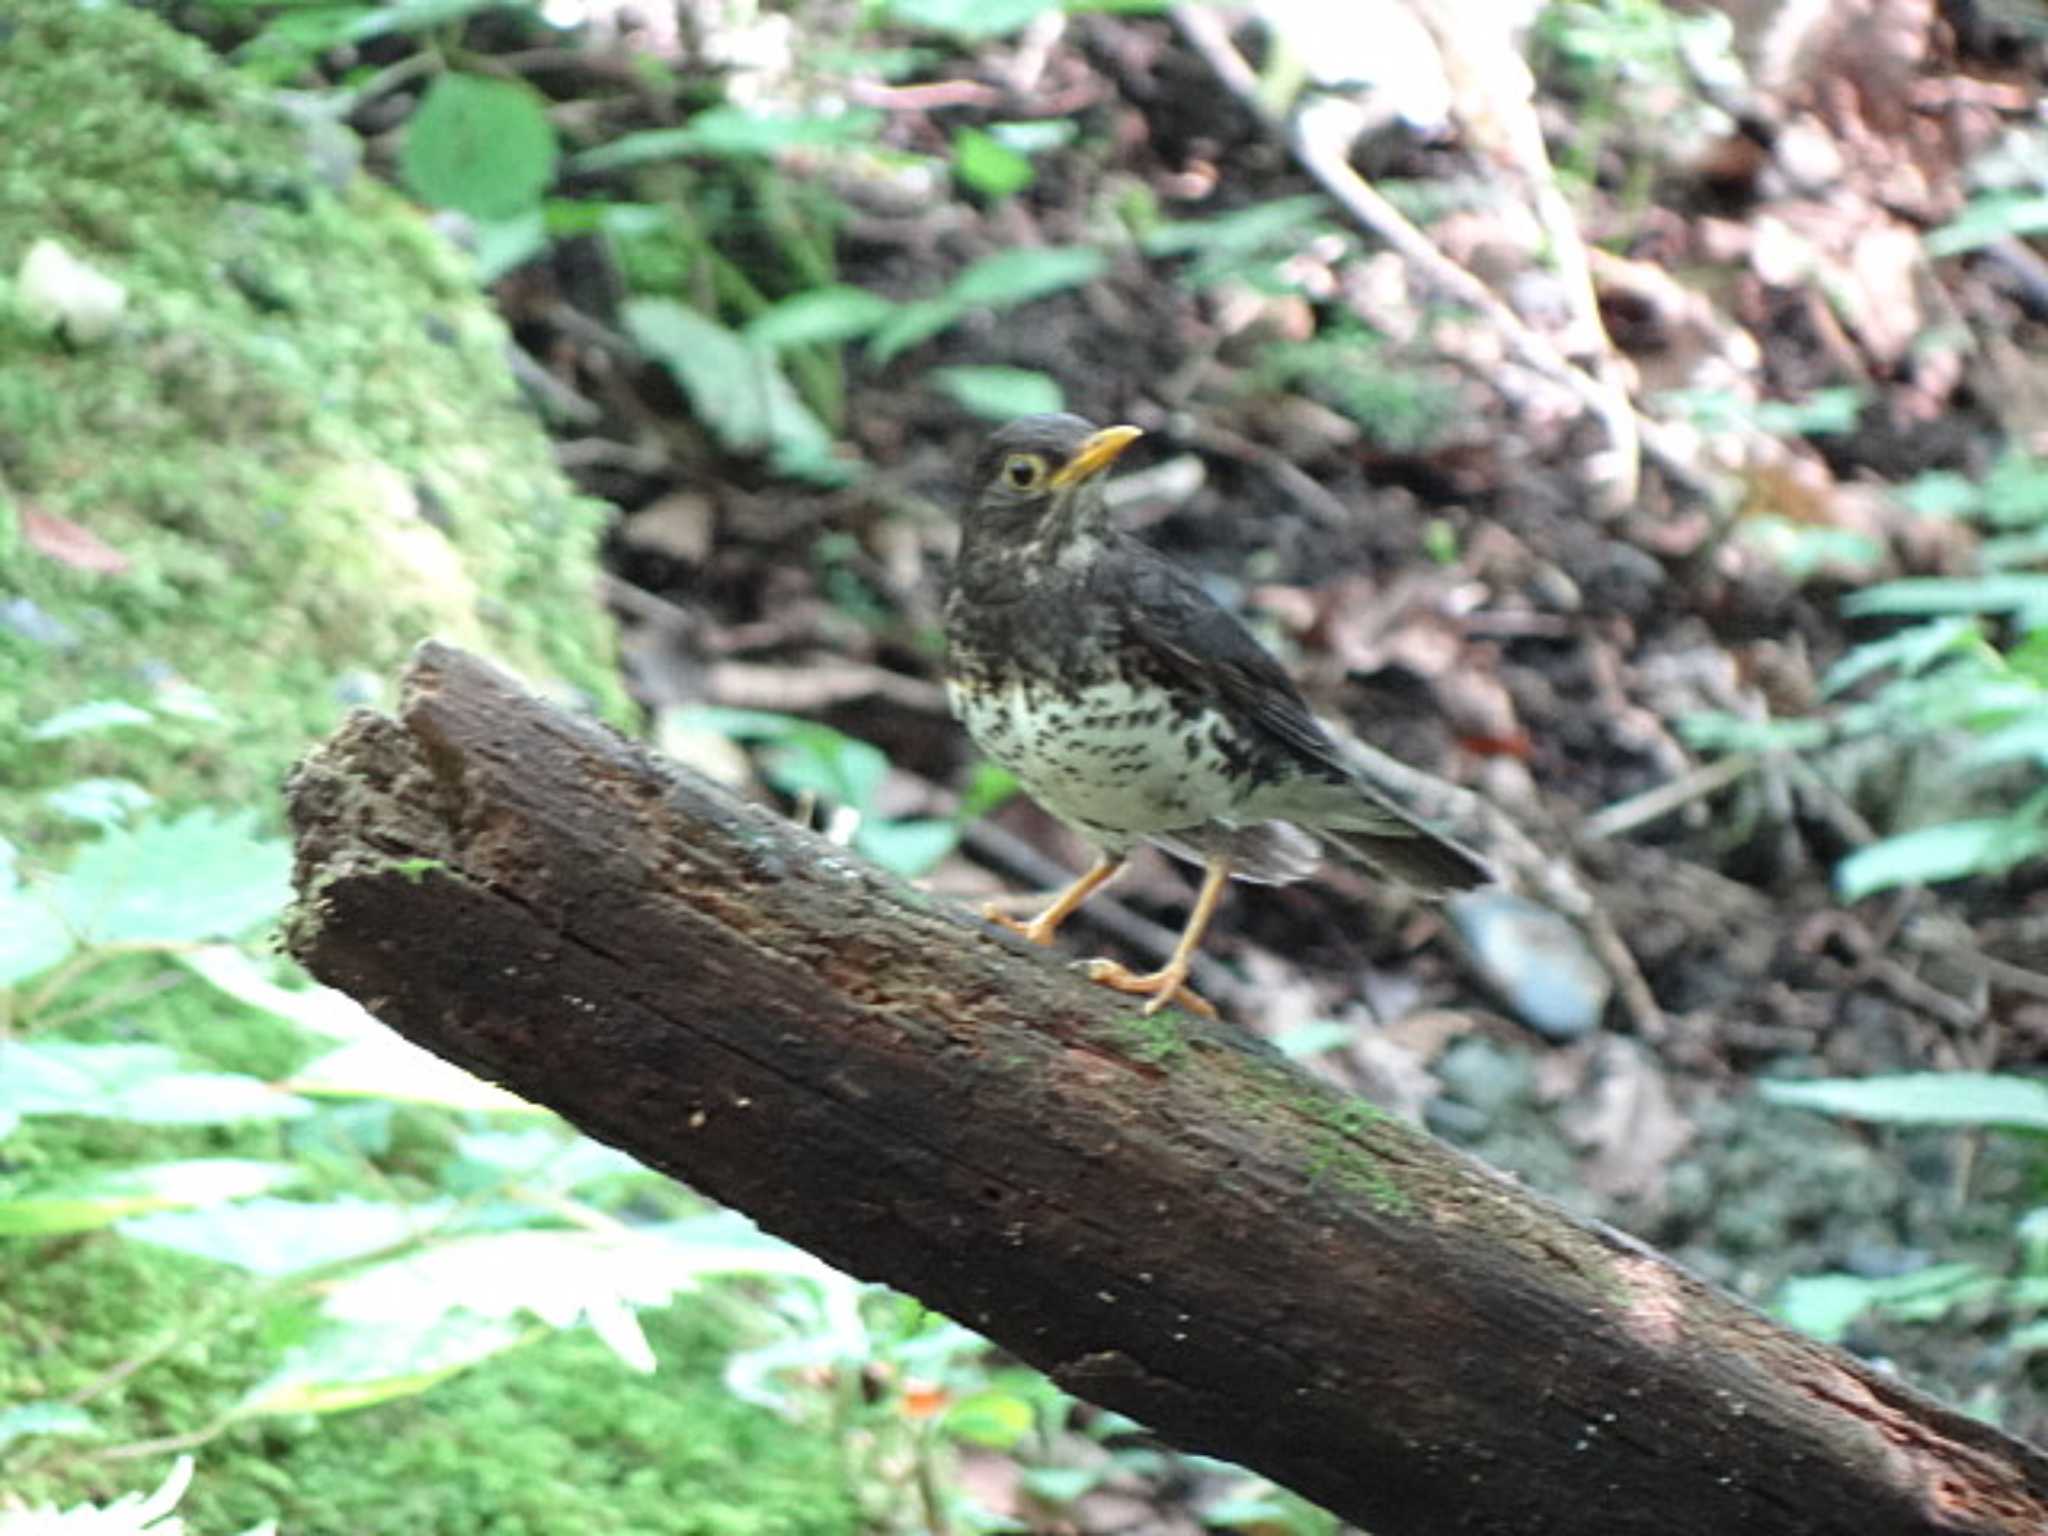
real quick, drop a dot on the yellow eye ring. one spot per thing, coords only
(1024, 471)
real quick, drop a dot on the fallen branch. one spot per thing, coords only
(1164, 1215)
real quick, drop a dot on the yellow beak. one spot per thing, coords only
(1096, 455)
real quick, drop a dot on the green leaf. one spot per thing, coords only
(833, 313)
(100, 802)
(282, 1237)
(1940, 493)
(969, 18)
(998, 394)
(995, 1421)
(33, 936)
(735, 388)
(139, 1083)
(1911, 650)
(482, 146)
(1824, 1306)
(1987, 220)
(205, 875)
(988, 787)
(988, 166)
(727, 132)
(1952, 850)
(346, 1367)
(907, 848)
(89, 719)
(1025, 273)
(917, 321)
(80, 1205)
(2027, 739)
(1923, 1098)
(818, 760)
(2007, 593)
(66, 1419)
(389, 1066)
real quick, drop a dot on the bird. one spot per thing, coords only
(1136, 709)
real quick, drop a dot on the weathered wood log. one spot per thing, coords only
(1163, 1214)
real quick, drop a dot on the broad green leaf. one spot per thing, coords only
(907, 848)
(2027, 739)
(80, 1205)
(1825, 1306)
(1025, 273)
(282, 1237)
(909, 324)
(139, 1083)
(2004, 593)
(480, 145)
(356, 1366)
(388, 1066)
(1911, 650)
(322, 1010)
(203, 876)
(988, 787)
(988, 166)
(969, 18)
(735, 388)
(1953, 850)
(739, 724)
(834, 313)
(1941, 493)
(33, 935)
(88, 719)
(46, 1418)
(1923, 1098)
(734, 132)
(998, 394)
(1987, 220)
(995, 1421)
(101, 802)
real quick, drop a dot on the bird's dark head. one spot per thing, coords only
(1039, 480)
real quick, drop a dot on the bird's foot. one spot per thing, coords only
(1037, 931)
(1166, 985)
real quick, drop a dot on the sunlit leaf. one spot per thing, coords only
(100, 802)
(833, 313)
(389, 1066)
(281, 1237)
(1987, 220)
(969, 18)
(1923, 1098)
(355, 1366)
(1000, 393)
(89, 719)
(994, 1420)
(908, 848)
(25, 1419)
(734, 132)
(988, 166)
(481, 145)
(100, 1200)
(735, 387)
(33, 935)
(1025, 273)
(139, 1083)
(1952, 850)
(205, 875)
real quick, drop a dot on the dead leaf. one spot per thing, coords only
(1628, 1128)
(70, 544)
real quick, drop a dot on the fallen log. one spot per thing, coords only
(1163, 1214)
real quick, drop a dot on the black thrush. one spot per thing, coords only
(1135, 709)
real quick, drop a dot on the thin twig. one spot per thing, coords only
(1651, 804)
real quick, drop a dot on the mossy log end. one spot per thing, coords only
(1163, 1214)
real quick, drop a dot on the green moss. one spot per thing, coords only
(302, 438)
(1154, 1039)
(555, 1440)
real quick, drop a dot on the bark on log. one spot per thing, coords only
(1166, 1216)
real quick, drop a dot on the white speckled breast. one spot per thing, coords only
(1107, 760)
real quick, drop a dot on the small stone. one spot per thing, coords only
(1534, 961)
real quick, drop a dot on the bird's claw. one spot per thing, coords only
(1163, 986)
(1037, 931)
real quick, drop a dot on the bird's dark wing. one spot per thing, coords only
(1166, 616)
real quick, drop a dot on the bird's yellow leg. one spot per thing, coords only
(1168, 984)
(1042, 927)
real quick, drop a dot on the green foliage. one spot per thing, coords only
(1001, 393)
(985, 164)
(815, 762)
(997, 282)
(1346, 369)
(479, 145)
(1829, 1305)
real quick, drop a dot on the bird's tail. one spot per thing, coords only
(1355, 819)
